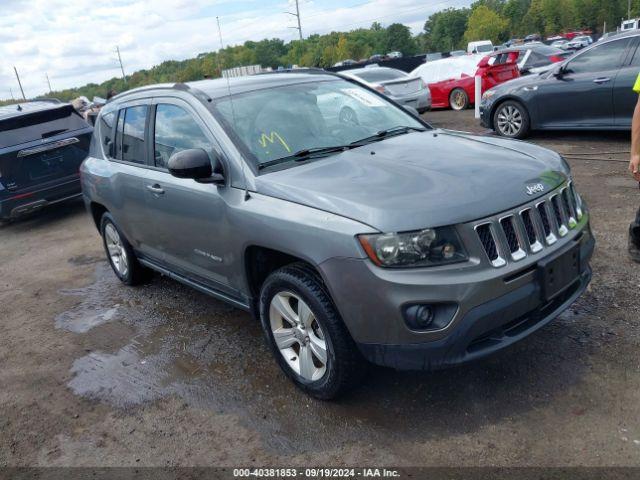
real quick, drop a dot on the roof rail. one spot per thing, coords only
(183, 87)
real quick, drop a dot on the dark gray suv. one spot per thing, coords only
(375, 237)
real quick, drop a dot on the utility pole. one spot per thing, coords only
(11, 92)
(19, 83)
(48, 82)
(297, 15)
(629, 10)
(121, 67)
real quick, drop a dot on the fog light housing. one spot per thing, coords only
(419, 317)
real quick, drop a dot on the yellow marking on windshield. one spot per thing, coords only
(264, 138)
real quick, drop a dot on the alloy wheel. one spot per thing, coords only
(117, 252)
(509, 121)
(459, 100)
(298, 335)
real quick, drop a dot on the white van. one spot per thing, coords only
(481, 46)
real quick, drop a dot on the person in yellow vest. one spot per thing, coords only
(634, 168)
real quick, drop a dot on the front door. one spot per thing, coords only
(582, 96)
(624, 98)
(192, 233)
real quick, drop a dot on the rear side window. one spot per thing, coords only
(176, 130)
(130, 136)
(106, 130)
(600, 58)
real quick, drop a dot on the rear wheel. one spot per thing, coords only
(458, 99)
(306, 334)
(120, 254)
(511, 120)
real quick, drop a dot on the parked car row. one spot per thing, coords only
(376, 57)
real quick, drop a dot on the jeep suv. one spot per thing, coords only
(371, 236)
(42, 145)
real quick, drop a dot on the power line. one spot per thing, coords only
(48, 82)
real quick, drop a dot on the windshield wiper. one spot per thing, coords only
(306, 154)
(389, 132)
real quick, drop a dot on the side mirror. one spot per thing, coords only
(196, 164)
(412, 110)
(559, 72)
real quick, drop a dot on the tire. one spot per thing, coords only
(121, 257)
(302, 336)
(511, 120)
(458, 99)
(349, 116)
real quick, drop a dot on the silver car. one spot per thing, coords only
(384, 240)
(395, 84)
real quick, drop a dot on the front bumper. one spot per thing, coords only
(485, 114)
(492, 307)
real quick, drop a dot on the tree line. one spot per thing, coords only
(446, 30)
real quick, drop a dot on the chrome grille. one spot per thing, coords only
(532, 228)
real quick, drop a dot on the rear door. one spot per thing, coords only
(130, 153)
(583, 95)
(624, 98)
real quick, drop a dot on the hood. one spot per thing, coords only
(421, 179)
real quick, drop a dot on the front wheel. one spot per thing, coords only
(511, 120)
(306, 334)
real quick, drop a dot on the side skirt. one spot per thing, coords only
(196, 285)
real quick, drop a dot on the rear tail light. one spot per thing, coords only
(555, 58)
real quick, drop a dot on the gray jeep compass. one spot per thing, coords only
(369, 236)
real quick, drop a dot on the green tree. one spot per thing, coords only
(444, 30)
(485, 24)
(399, 39)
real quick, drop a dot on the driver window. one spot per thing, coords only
(176, 130)
(599, 59)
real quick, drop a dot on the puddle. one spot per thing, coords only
(181, 343)
(96, 305)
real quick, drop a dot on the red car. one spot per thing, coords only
(451, 80)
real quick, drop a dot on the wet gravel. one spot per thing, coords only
(96, 373)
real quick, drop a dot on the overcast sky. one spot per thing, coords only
(74, 40)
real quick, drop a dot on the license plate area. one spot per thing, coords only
(559, 272)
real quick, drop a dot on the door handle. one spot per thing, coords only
(601, 80)
(155, 188)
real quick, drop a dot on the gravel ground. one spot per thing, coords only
(96, 374)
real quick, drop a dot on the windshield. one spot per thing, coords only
(277, 122)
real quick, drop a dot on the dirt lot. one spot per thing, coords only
(94, 373)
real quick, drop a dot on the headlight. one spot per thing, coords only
(488, 94)
(422, 248)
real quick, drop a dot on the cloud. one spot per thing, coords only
(74, 40)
